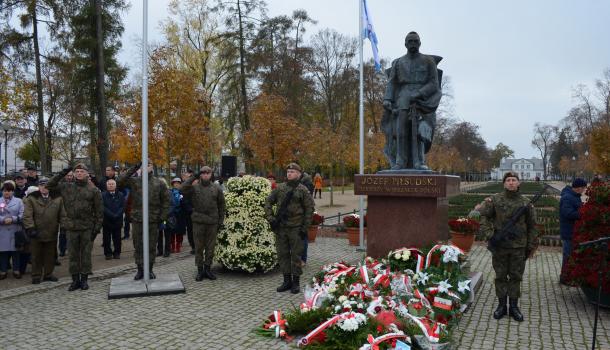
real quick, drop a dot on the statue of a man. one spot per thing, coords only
(412, 96)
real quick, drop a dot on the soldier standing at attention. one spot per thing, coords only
(158, 210)
(41, 219)
(509, 258)
(85, 213)
(208, 215)
(290, 222)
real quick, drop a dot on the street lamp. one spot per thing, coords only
(468, 169)
(5, 128)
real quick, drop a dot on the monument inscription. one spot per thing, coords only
(403, 185)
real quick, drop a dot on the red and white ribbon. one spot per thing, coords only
(331, 321)
(374, 342)
(279, 325)
(364, 274)
(430, 328)
(338, 271)
(311, 302)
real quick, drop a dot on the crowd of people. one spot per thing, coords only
(42, 218)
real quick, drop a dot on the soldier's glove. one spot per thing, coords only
(32, 233)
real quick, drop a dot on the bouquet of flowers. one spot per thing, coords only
(353, 220)
(594, 223)
(246, 243)
(317, 219)
(464, 225)
(375, 303)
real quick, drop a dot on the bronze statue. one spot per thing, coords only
(412, 96)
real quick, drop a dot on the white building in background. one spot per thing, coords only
(527, 169)
(9, 160)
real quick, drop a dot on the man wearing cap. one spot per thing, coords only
(32, 176)
(20, 186)
(187, 206)
(569, 204)
(114, 207)
(158, 210)
(85, 215)
(509, 258)
(176, 224)
(290, 227)
(208, 215)
(41, 219)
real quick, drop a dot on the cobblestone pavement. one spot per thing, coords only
(222, 314)
(556, 316)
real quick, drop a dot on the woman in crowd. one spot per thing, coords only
(11, 214)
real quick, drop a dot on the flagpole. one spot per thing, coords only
(144, 167)
(361, 120)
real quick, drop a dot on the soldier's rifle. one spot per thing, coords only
(280, 217)
(507, 232)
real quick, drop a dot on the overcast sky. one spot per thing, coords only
(511, 63)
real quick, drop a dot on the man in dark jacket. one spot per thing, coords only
(20, 186)
(110, 174)
(569, 204)
(32, 179)
(114, 207)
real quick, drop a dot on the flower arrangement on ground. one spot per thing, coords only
(467, 226)
(246, 243)
(317, 219)
(594, 223)
(376, 303)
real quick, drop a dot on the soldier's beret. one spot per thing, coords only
(294, 166)
(43, 181)
(206, 169)
(510, 174)
(81, 166)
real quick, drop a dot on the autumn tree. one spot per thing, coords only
(544, 137)
(276, 139)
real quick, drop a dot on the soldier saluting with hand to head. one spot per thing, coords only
(509, 256)
(84, 217)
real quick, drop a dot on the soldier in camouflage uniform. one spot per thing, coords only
(208, 215)
(85, 213)
(158, 211)
(509, 258)
(292, 228)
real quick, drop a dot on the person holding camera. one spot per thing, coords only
(290, 222)
(42, 216)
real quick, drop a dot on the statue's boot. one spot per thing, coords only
(422, 157)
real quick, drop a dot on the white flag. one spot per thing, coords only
(369, 32)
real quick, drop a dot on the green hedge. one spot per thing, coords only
(525, 188)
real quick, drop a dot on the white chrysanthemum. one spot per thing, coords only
(247, 242)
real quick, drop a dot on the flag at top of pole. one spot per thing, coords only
(368, 31)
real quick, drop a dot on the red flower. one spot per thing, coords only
(379, 329)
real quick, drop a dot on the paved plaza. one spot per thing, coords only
(222, 314)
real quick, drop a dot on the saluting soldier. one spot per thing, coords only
(85, 213)
(44, 211)
(508, 259)
(208, 215)
(290, 227)
(158, 210)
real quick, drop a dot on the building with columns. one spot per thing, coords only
(527, 169)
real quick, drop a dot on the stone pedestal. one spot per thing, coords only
(405, 210)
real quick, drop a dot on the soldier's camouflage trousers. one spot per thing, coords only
(509, 265)
(138, 241)
(79, 251)
(205, 239)
(289, 246)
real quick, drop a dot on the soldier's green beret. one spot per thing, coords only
(510, 174)
(294, 166)
(81, 166)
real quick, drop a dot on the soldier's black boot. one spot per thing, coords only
(83, 282)
(151, 274)
(140, 274)
(514, 311)
(286, 285)
(200, 274)
(207, 271)
(501, 309)
(75, 282)
(296, 285)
